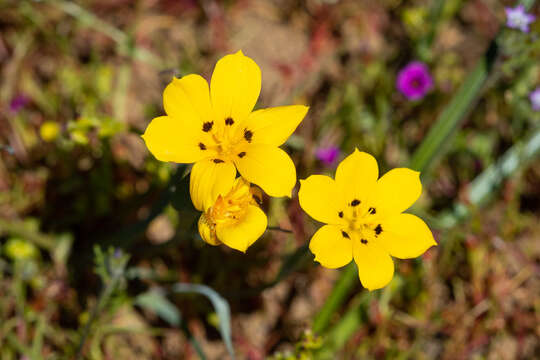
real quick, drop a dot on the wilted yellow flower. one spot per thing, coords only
(234, 218)
(49, 131)
(365, 218)
(216, 129)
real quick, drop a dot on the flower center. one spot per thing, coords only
(233, 206)
(225, 139)
(361, 221)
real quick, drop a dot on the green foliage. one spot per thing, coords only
(75, 179)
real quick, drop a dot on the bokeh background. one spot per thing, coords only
(96, 234)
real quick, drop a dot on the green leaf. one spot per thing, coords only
(155, 301)
(221, 306)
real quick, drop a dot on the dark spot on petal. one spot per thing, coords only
(207, 126)
(202, 146)
(242, 154)
(229, 121)
(372, 210)
(340, 214)
(248, 135)
(355, 202)
(363, 241)
(345, 235)
(217, 161)
(378, 229)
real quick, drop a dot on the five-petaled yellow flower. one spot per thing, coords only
(216, 129)
(234, 218)
(365, 218)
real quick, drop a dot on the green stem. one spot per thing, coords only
(102, 301)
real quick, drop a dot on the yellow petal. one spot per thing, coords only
(172, 139)
(207, 231)
(405, 236)
(320, 199)
(235, 87)
(396, 191)
(188, 98)
(246, 231)
(357, 175)
(274, 125)
(208, 180)
(375, 266)
(268, 167)
(331, 247)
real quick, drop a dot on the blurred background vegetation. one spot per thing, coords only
(99, 255)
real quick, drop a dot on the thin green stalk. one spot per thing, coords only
(102, 301)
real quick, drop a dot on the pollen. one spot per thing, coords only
(207, 126)
(248, 135)
(229, 121)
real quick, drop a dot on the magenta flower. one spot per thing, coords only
(517, 18)
(535, 99)
(414, 80)
(327, 155)
(17, 103)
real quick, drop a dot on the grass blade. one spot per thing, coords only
(220, 305)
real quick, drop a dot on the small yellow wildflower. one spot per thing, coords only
(216, 129)
(19, 249)
(49, 131)
(365, 218)
(234, 218)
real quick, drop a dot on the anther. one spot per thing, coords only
(202, 146)
(229, 121)
(242, 154)
(378, 229)
(363, 241)
(340, 214)
(248, 135)
(217, 161)
(207, 126)
(355, 202)
(372, 210)
(345, 235)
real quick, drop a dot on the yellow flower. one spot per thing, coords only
(365, 218)
(216, 129)
(235, 218)
(49, 131)
(19, 249)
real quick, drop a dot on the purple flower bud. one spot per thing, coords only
(414, 80)
(517, 18)
(17, 103)
(535, 99)
(327, 155)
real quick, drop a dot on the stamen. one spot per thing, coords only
(207, 126)
(242, 154)
(340, 214)
(202, 146)
(378, 230)
(372, 210)
(345, 235)
(355, 202)
(217, 161)
(248, 135)
(229, 121)
(364, 241)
